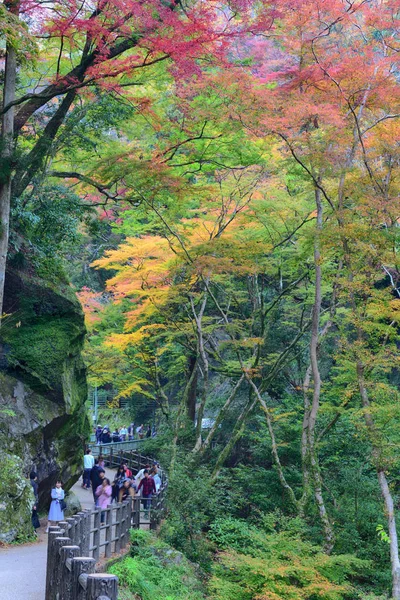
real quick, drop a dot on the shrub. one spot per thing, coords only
(254, 565)
(156, 571)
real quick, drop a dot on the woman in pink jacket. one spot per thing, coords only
(103, 493)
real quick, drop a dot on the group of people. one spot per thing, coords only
(146, 482)
(122, 434)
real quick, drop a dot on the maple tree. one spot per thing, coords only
(246, 160)
(60, 55)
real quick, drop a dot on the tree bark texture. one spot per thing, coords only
(6, 154)
(311, 470)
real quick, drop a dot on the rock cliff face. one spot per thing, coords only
(42, 380)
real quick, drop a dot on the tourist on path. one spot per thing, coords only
(117, 483)
(101, 461)
(88, 464)
(131, 431)
(140, 474)
(128, 472)
(105, 436)
(148, 432)
(98, 433)
(97, 475)
(34, 484)
(123, 432)
(157, 479)
(126, 490)
(56, 513)
(103, 494)
(148, 489)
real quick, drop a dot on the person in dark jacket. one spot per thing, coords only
(105, 436)
(98, 433)
(148, 432)
(148, 487)
(34, 484)
(97, 475)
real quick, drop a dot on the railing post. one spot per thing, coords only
(123, 524)
(53, 533)
(58, 565)
(102, 584)
(96, 534)
(80, 566)
(67, 553)
(153, 513)
(72, 533)
(118, 528)
(86, 527)
(107, 552)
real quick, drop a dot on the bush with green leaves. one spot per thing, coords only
(279, 565)
(156, 571)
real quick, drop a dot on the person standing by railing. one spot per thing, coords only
(103, 494)
(148, 489)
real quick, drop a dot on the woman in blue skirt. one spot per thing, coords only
(56, 513)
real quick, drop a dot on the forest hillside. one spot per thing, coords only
(218, 183)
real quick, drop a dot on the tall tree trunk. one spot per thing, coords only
(383, 484)
(6, 152)
(192, 393)
(235, 436)
(311, 468)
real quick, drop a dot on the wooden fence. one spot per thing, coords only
(76, 544)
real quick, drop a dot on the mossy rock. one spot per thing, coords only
(16, 501)
(43, 387)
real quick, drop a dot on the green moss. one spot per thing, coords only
(16, 500)
(41, 348)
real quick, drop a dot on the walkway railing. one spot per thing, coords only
(77, 544)
(104, 449)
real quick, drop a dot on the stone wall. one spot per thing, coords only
(42, 380)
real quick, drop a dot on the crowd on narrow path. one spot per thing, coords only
(104, 435)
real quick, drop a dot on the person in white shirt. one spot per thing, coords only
(88, 463)
(122, 434)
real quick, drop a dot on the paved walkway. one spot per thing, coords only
(23, 571)
(23, 568)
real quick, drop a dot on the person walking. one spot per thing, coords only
(140, 474)
(103, 494)
(123, 432)
(57, 506)
(148, 489)
(97, 475)
(88, 464)
(148, 432)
